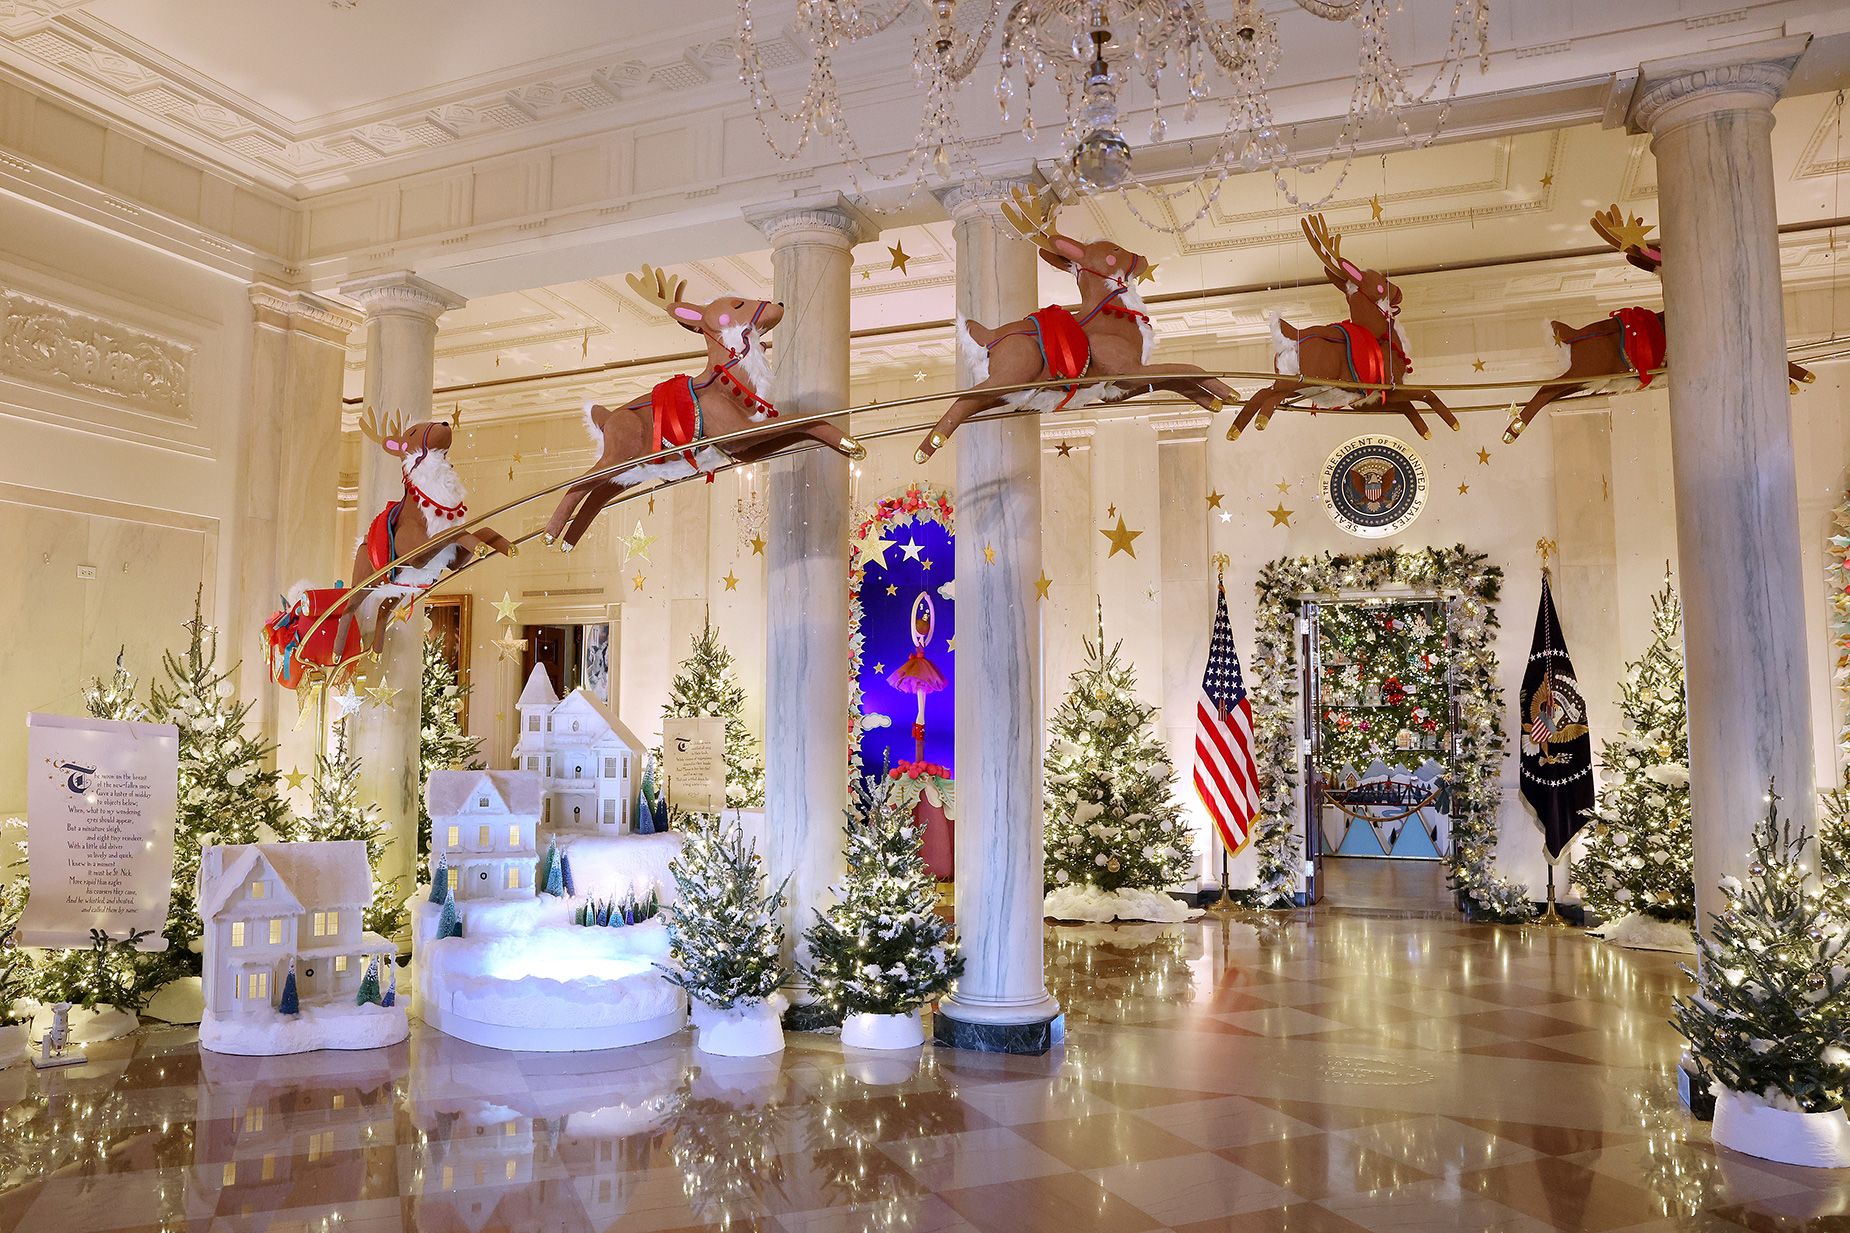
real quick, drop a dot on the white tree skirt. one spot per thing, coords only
(1092, 904)
(178, 1001)
(1636, 931)
(335, 1026)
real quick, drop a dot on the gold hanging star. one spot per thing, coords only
(899, 255)
(403, 612)
(1214, 499)
(989, 554)
(1281, 517)
(638, 580)
(1634, 232)
(1463, 489)
(1548, 180)
(891, 589)
(951, 645)
(507, 645)
(383, 693)
(517, 458)
(1483, 457)
(1111, 511)
(506, 607)
(1146, 272)
(875, 550)
(510, 473)
(1284, 485)
(1374, 207)
(757, 545)
(295, 778)
(1064, 449)
(1121, 539)
(926, 562)
(732, 583)
(880, 667)
(1477, 365)
(1041, 584)
(636, 545)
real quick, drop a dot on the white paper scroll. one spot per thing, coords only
(101, 797)
(694, 763)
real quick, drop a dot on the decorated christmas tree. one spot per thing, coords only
(1637, 856)
(1113, 821)
(882, 948)
(707, 684)
(723, 931)
(1773, 987)
(442, 743)
(226, 794)
(336, 812)
(114, 698)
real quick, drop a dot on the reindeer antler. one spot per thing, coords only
(393, 429)
(658, 287)
(1624, 232)
(1328, 245)
(1029, 215)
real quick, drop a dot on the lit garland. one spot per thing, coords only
(1385, 668)
(1470, 586)
(1773, 987)
(918, 503)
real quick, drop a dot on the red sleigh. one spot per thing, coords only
(290, 655)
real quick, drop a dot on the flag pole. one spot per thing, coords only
(1547, 548)
(1224, 906)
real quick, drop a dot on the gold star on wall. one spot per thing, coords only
(1214, 499)
(506, 607)
(383, 693)
(1483, 457)
(1284, 485)
(926, 562)
(1463, 489)
(1281, 517)
(638, 580)
(507, 645)
(899, 255)
(891, 589)
(989, 554)
(1064, 449)
(1121, 538)
(880, 668)
(757, 545)
(1041, 584)
(1477, 365)
(732, 583)
(1548, 180)
(636, 545)
(295, 778)
(875, 550)
(951, 645)
(1374, 207)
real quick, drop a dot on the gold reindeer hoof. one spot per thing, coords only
(1792, 387)
(548, 538)
(1456, 426)
(1233, 432)
(1215, 404)
(513, 550)
(853, 449)
(1808, 377)
(1425, 434)
(482, 550)
(1511, 433)
(565, 545)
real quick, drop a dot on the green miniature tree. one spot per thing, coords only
(724, 936)
(449, 921)
(369, 986)
(290, 1002)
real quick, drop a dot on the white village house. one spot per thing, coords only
(264, 905)
(589, 760)
(485, 826)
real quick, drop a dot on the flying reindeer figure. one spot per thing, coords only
(433, 501)
(725, 397)
(1369, 348)
(1108, 336)
(1621, 353)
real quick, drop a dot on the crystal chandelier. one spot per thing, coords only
(1092, 53)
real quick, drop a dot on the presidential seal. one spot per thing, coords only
(1373, 486)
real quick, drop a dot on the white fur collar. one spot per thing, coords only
(752, 370)
(436, 478)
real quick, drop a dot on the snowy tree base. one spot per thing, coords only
(1089, 903)
(178, 1001)
(1636, 931)
(14, 1043)
(337, 1026)
(864, 1031)
(1748, 1123)
(87, 1027)
(739, 1031)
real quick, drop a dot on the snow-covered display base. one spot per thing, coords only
(523, 976)
(864, 1031)
(1636, 931)
(613, 866)
(338, 1025)
(1089, 903)
(1749, 1123)
(756, 1030)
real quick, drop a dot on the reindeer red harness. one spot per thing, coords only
(675, 403)
(380, 536)
(1065, 349)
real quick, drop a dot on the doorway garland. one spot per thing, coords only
(1470, 586)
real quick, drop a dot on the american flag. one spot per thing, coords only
(1226, 776)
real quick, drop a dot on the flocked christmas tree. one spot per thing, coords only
(1112, 817)
(336, 812)
(707, 684)
(114, 698)
(1637, 855)
(724, 936)
(882, 948)
(1773, 989)
(442, 743)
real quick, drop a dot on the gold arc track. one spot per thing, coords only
(786, 423)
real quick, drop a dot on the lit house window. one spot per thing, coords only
(237, 933)
(253, 1118)
(481, 836)
(276, 933)
(513, 836)
(320, 1146)
(513, 878)
(456, 836)
(257, 986)
(340, 963)
(320, 924)
(259, 889)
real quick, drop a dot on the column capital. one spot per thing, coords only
(328, 320)
(401, 294)
(1678, 89)
(982, 195)
(828, 219)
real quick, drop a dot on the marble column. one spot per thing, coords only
(402, 311)
(1710, 118)
(289, 481)
(806, 563)
(1001, 1003)
(1186, 602)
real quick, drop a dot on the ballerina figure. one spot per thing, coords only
(918, 675)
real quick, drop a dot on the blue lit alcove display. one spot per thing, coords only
(919, 557)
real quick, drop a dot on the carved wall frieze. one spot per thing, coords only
(51, 345)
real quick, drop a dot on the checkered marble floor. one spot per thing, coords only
(1336, 1073)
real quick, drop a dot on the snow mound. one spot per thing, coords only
(178, 1001)
(611, 866)
(1636, 931)
(1093, 904)
(86, 1027)
(337, 1026)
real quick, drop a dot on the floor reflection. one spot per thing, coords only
(1335, 1072)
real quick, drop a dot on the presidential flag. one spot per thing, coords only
(1226, 777)
(1557, 748)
